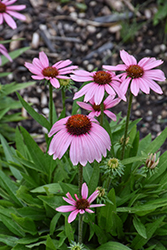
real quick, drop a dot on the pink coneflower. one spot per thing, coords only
(141, 74)
(101, 81)
(79, 205)
(88, 141)
(40, 67)
(4, 51)
(109, 102)
(7, 11)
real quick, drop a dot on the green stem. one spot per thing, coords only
(50, 104)
(80, 221)
(126, 125)
(63, 97)
(80, 228)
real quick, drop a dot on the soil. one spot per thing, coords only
(90, 34)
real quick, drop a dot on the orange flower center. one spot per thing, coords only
(102, 77)
(96, 107)
(135, 71)
(82, 204)
(78, 124)
(50, 72)
(2, 8)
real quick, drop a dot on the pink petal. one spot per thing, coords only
(43, 59)
(134, 87)
(89, 210)
(72, 216)
(149, 63)
(65, 208)
(62, 64)
(9, 2)
(84, 191)
(85, 106)
(17, 15)
(97, 205)
(127, 59)
(154, 86)
(144, 86)
(69, 201)
(38, 77)
(120, 67)
(83, 73)
(16, 7)
(81, 78)
(60, 124)
(55, 83)
(93, 196)
(155, 74)
(99, 94)
(125, 84)
(10, 21)
(1, 18)
(110, 115)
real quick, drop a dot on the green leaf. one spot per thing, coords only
(39, 118)
(26, 197)
(93, 183)
(8, 240)
(10, 187)
(27, 224)
(10, 157)
(50, 244)
(105, 215)
(157, 143)
(140, 228)
(112, 245)
(68, 230)
(14, 54)
(11, 225)
(12, 87)
(87, 172)
(52, 188)
(40, 159)
(139, 241)
(53, 223)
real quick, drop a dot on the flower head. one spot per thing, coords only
(76, 246)
(151, 161)
(4, 51)
(109, 102)
(40, 67)
(81, 205)
(7, 10)
(113, 167)
(100, 81)
(88, 141)
(141, 74)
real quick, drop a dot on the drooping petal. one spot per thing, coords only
(134, 87)
(10, 21)
(55, 83)
(72, 216)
